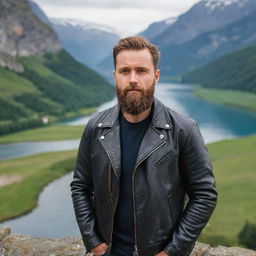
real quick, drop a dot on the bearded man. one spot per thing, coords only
(136, 164)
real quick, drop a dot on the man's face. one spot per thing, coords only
(135, 80)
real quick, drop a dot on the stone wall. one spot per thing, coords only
(23, 245)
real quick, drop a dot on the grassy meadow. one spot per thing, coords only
(234, 164)
(53, 132)
(36, 172)
(238, 99)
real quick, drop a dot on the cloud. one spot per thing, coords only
(125, 16)
(125, 21)
(113, 4)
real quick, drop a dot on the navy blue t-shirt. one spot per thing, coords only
(131, 135)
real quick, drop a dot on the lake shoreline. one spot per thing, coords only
(235, 99)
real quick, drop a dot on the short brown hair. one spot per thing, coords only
(136, 43)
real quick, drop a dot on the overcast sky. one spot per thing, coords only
(127, 17)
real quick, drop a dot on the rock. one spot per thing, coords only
(200, 249)
(4, 231)
(23, 245)
(230, 251)
(23, 34)
(10, 62)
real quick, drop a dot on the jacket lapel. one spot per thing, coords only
(111, 144)
(110, 138)
(152, 140)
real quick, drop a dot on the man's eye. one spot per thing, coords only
(124, 71)
(141, 70)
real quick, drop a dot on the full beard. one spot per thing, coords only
(135, 103)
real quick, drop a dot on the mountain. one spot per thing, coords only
(37, 77)
(209, 46)
(16, 20)
(204, 16)
(236, 71)
(38, 12)
(89, 43)
(157, 28)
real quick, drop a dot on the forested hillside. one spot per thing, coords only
(49, 86)
(236, 71)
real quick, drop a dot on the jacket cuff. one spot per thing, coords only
(171, 251)
(89, 245)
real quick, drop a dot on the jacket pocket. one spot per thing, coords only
(167, 156)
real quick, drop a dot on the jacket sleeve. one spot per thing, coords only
(197, 175)
(82, 192)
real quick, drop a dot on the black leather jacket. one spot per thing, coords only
(172, 162)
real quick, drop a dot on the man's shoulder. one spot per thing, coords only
(178, 119)
(181, 119)
(183, 125)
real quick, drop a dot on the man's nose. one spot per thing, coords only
(133, 77)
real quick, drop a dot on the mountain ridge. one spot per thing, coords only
(208, 46)
(188, 26)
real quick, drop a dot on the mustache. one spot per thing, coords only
(132, 87)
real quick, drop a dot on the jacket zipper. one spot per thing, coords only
(135, 253)
(114, 210)
(114, 207)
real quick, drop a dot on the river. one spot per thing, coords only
(54, 216)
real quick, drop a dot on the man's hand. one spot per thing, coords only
(161, 254)
(100, 249)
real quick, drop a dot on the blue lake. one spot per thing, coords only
(54, 216)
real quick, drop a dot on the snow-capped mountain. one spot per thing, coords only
(68, 22)
(213, 4)
(88, 42)
(209, 46)
(204, 16)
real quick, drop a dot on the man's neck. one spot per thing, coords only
(137, 118)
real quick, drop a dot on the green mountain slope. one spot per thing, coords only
(51, 85)
(235, 71)
(66, 81)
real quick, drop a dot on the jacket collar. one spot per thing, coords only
(160, 119)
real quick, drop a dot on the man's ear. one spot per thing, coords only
(114, 75)
(157, 74)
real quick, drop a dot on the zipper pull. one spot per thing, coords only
(108, 250)
(135, 253)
